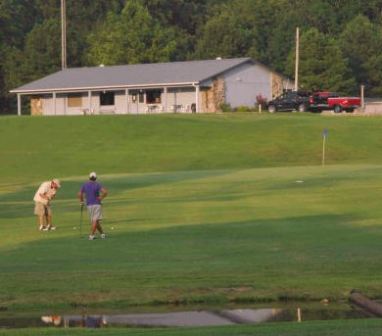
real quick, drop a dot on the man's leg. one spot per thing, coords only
(39, 211)
(41, 222)
(99, 227)
(95, 214)
(48, 218)
(93, 229)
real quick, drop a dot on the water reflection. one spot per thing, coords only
(202, 318)
(175, 319)
(195, 318)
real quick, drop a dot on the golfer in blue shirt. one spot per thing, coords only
(94, 194)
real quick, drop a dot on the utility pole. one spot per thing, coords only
(63, 34)
(363, 98)
(297, 61)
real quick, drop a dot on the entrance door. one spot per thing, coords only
(137, 102)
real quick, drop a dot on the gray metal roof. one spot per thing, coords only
(134, 75)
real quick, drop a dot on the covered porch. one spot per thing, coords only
(115, 100)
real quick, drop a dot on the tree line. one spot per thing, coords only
(340, 40)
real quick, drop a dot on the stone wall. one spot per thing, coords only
(36, 106)
(213, 97)
(277, 85)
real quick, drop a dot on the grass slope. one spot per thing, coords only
(35, 148)
(196, 235)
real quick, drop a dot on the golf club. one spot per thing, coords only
(81, 218)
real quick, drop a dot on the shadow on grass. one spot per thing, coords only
(20, 204)
(198, 262)
(262, 235)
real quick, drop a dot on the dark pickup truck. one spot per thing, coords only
(319, 101)
(290, 101)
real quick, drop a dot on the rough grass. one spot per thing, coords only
(322, 328)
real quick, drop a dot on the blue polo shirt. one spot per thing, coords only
(92, 190)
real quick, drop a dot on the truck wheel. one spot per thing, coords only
(272, 109)
(301, 108)
(337, 109)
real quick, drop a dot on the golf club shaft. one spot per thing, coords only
(81, 218)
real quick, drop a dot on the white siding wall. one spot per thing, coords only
(182, 97)
(243, 84)
(47, 106)
(62, 106)
(120, 102)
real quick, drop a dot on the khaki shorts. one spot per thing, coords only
(41, 209)
(95, 212)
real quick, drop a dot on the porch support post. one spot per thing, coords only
(165, 109)
(127, 100)
(197, 103)
(54, 103)
(90, 102)
(19, 104)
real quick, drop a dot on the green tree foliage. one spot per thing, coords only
(41, 56)
(322, 65)
(133, 36)
(82, 17)
(30, 38)
(279, 38)
(373, 67)
(361, 42)
(186, 15)
(227, 35)
(16, 18)
(135, 31)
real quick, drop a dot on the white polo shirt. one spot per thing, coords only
(44, 189)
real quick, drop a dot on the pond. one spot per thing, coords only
(186, 316)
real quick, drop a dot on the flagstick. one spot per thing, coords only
(323, 150)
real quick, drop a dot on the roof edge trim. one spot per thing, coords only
(92, 88)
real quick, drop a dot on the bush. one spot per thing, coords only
(224, 107)
(245, 109)
(261, 101)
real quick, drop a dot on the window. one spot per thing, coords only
(153, 97)
(106, 98)
(138, 95)
(75, 100)
(141, 97)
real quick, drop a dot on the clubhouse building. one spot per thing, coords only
(176, 87)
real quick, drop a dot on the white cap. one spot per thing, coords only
(57, 182)
(92, 175)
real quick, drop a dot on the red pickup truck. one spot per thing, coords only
(320, 101)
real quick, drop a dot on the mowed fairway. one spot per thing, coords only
(202, 209)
